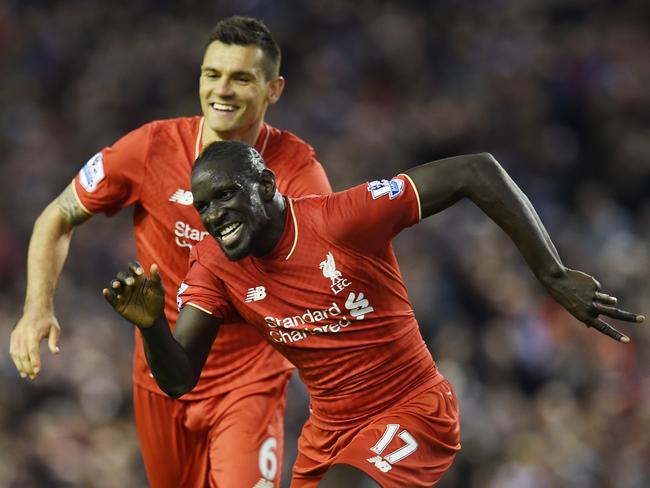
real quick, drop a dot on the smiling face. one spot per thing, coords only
(231, 206)
(234, 92)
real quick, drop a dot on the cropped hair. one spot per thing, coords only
(247, 31)
(236, 155)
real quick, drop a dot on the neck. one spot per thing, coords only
(273, 230)
(249, 134)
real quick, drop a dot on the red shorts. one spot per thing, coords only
(409, 445)
(231, 440)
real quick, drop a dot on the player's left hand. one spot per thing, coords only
(581, 295)
(135, 297)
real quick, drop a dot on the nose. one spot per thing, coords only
(215, 215)
(224, 87)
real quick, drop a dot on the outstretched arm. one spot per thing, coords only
(176, 360)
(48, 250)
(481, 179)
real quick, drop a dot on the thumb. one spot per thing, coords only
(53, 339)
(155, 275)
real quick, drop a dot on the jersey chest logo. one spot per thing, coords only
(182, 197)
(329, 271)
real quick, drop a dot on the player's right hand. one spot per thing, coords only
(24, 348)
(138, 299)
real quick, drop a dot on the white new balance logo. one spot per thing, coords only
(184, 197)
(256, 294)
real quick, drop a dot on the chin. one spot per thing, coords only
(236, 253)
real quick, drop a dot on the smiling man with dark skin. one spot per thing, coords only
(318, 278)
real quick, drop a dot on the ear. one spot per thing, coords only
(276, 86)
(267, 186)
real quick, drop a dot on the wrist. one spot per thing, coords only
(38, 308)
(552, 274)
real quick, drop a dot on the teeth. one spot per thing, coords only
(228, 229)
(220, 106)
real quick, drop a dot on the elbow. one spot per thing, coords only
(481, 167)
(482, 161)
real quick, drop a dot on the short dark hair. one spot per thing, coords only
(237, 155)
(247, 31)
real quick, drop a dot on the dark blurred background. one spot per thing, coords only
(556, 90)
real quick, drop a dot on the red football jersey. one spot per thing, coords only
(330, 298)
(150, 167)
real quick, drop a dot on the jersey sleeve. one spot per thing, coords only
(309, 177)
(202, 289)
(367, 217)
(112, 179)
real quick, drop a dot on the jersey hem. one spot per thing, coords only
(152, 386)
(336, 425)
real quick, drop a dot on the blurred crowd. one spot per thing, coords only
(556, 90)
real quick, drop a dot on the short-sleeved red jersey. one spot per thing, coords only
(150, 167)
(330, 298)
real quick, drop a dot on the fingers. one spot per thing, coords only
(136, 269)
(124, 278)
(19, 357)
(605, 298)
(608, 330)
(617, 313)
(33, 351)
(26, 357)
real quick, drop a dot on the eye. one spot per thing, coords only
(243, 79)
(226, 194)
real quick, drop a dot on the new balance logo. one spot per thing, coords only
(184, 197)
(256, 294)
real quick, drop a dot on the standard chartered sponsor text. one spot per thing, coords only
(184, 231)
(292, 329)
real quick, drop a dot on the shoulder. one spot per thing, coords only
(174, 126)
(286, 147)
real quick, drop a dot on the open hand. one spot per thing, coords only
(581, 295)
(135, 297)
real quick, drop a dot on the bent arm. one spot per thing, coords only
(481, 179)
(176, 360)
(48, 250)
(49, 245)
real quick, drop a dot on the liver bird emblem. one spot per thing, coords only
(329, 268)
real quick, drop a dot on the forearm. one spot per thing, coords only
(481, 179)
(169, 362)
(48, 250)
(496, 194)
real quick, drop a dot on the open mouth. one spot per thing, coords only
(228, 234)
(222, 107)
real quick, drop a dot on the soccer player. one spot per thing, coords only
(228, 432)
(318, 278)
